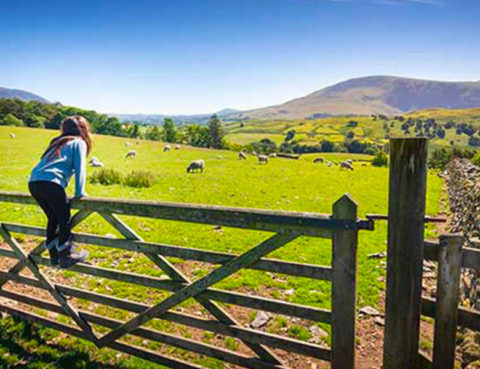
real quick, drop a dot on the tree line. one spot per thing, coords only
(34, 114)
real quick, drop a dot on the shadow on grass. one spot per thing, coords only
(23, 346)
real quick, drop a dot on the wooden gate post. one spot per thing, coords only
(446, 308)
(406, 213)
(344, 286)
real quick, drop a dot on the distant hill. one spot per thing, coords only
(6, 93)
(470, 115)
(178, 119)
(373, 95)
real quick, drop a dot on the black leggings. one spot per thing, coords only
(53, 200)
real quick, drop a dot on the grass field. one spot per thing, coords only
(307, 131)
(297, 185)
(334, 129)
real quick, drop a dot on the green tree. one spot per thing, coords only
(136, 130)
(153, 133)
(216, 133)
(35, 121)
(264, 146)
(169, 130)
(290, 135)
(11, 120)
(380, 160)
(327, 146)
(196, 135)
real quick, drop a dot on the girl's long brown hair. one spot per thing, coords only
(71, 127)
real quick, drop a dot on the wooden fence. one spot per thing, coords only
(406, 252)
(342, 227)
(445, 309)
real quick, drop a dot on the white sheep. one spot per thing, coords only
(262, 159)
(272, 155)
(318, 160)
(242, 156)
(177, 147)
(131, 154)
(166, 148)
(349, 161)
(97, 164)
(329, 164)
(196, 165)
(346, 165)
(128, 144)
(12, 135)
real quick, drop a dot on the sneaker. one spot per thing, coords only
(70, 256)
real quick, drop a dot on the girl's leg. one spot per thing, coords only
(57, 199)
(37, 190)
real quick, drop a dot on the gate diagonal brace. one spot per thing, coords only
(262, 352)
(27, 261)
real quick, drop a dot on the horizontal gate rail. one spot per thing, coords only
(311, 224)
(342, 228)
(213, 257)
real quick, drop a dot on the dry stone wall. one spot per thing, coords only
(463, 179)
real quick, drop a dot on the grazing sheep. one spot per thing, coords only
(128, 144)
(242, 156)
(12, 135)
(131, 154)
(97, 164)
(319, 160)
(346, 165)
(329, 164)
(166, 148)
(94, 162)
(273, 155)
(177, 147)
(254, 153)
(349, 161)
(262, 159)
(196, 165)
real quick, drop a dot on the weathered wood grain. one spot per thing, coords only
(448, 291)
(406, 213)
(213, 257)
(344, 287)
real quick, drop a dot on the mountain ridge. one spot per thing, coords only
(388, 95)
(9, 93)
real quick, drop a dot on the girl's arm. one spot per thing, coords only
(80, 167)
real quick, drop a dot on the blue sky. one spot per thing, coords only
(193, 56)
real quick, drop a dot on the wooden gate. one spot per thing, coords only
(342, 227)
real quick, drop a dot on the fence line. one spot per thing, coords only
(342, 227)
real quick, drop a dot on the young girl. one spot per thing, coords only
(65, 155)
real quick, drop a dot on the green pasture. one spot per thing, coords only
(335, 129)
(295, 185)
